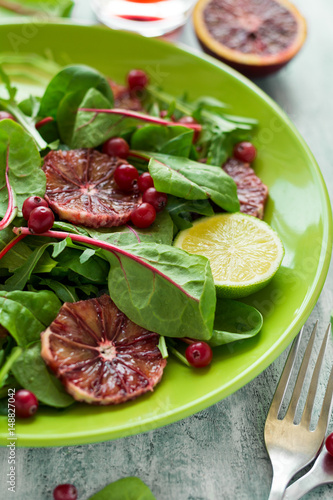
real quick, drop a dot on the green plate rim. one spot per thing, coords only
(174, 415)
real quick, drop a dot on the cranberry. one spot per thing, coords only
(41, 219)
(65, 492)
(145, 182)
(144, 215)
(116, 146)
(126, 177)
(6, 116)
(43, 122)
(199, 354)
(155, 198)
(26, 404)
(31, 203)
(137, 79)
(245, 151)
(189, 120)
(329, 444)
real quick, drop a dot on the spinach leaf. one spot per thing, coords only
(193, 181)
(128, 488)
(92, 129)
(163, 289)
(17, 255)
(181, 210)
(32, 373)
(26, 314)
(73, 79)
(26, 178)
(161, 231)
(234, 321)
(175, 140)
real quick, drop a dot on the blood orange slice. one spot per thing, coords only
(101, 356)
(81, 189)
(251, 191)
(257, 37)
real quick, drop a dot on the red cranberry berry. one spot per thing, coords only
(155, 198)
(199, 354)
(43, 122)
(329, 443)
(145, 182)
(137, 79)
(143, 216)
(6, 116)
(26, 404)
(31, 203)
(126, 177)
(41, 219)
(65, 492)
(189, 120)
(116, 146)
(245, 151)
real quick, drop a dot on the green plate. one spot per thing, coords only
(298, 208)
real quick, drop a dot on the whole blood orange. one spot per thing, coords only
(81, 189)
(100, 355)
(256, 37)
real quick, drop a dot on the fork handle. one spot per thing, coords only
(303, 485)
(278, 488)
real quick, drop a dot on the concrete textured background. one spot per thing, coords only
(218, 453)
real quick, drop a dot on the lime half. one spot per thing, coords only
(244, 252)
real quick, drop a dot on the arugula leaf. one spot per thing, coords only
(32, 373)
(163, 289)
(128, 488)
(175, 140)
(26, 178)
(193, 181)
(26, 314)
(220, 131)
(161, 231)
(234, 321)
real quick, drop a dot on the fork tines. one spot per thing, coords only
(285, 377)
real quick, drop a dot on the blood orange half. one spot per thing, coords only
(251, 191)
(81, 189)
(101, 356)
(257, 37)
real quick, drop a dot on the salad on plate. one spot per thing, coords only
(131, 227)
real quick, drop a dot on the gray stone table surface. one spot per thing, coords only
(218, 453)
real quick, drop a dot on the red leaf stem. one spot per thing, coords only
(143, 117)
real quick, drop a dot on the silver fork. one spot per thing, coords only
(291, 447)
